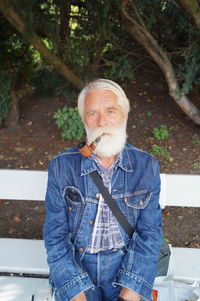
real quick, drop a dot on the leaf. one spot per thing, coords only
(17, 219)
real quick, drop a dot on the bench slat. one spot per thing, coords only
(186, 263)
(180, 190)
(31, 185)
(29, 256)
(23, 256)
(22, 289)
(23, 184)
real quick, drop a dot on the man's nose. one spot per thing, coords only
(102, 120)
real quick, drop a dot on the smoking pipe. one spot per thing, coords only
(87, 150)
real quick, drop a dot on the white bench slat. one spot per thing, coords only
(23, 256)
(23, 184)
(186, 263)
(22, 289)
(29, 256)
(180, 190)
(31, 185)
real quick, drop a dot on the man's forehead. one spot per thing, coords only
(101, 96)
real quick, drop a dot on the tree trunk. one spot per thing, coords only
(192, 8)
(13, 17)
(138, 31)
(12, 119)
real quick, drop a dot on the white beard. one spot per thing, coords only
(112, 141)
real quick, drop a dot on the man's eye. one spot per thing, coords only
(111, 111)
(91, 114)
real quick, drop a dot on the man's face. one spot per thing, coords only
(102, 110)
(103, 117)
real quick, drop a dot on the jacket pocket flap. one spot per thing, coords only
(138, 199)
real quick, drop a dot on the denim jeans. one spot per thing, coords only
(102, 268)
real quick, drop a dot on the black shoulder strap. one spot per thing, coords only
(111, 203)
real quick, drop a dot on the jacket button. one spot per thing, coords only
(91, 222)
(141, 203)
(97, 195)
(69, 208)
(81, 250)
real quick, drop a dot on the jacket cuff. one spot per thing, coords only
(134, 283)
(71, 289)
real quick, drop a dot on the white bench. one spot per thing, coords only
(25, 256)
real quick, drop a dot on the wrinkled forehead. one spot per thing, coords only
(100, 96)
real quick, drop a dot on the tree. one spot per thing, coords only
(192, 8)
(135, 26)
(29, 35)
(83, 40)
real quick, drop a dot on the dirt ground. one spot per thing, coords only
(37, 140)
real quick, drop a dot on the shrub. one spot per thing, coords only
(160, 133)
(159, 151)
(5, 97)
(68, 120)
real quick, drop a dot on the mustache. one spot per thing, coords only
(96, 134)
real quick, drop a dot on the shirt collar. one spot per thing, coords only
(123, 161)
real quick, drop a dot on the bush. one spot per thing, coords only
(68, 120)
(5, 97)
(159, 151)
(49, 83)
(160, 133)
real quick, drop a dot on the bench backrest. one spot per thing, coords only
(176, 189)
(29, 256)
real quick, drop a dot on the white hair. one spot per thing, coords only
(104, 84)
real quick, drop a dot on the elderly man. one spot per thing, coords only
(90, 255)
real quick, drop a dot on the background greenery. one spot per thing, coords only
(91, 39)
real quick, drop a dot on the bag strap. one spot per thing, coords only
(111, 203)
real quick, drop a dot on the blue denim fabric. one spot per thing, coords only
(71, 207)
(102, 268)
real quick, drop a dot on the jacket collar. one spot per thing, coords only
(88, 165)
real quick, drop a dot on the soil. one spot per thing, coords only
(37, 140)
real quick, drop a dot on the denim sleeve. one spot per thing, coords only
(66, 276)
(139, 264)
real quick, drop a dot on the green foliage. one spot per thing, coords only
(159, 151)
(5, 96)
(49, 82)
(149, 113)
(179, 39)
(94, 43)
(196, 141)
(196, 165)
(160, 133)
(189, 72)
(121, 68)
(67, 119)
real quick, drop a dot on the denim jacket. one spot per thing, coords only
(71, 207)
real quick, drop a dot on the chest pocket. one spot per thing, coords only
(74, 205)
(135, 202)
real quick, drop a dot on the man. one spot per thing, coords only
(89, 254)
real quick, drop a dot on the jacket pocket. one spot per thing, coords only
(135, 202)
(74, 205)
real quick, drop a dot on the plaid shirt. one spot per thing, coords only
(106, 234)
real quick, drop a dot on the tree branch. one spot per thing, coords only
(13, 17)
(144, 37)
(192, 8)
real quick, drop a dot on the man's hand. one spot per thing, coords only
(128, 295)
(80, 297)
